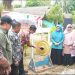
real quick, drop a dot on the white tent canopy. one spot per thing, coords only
(15, 15)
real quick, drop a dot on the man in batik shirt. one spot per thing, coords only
(16, 47)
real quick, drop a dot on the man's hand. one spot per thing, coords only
(8, 70)
(16, 63)
(32, 46)
(22, 49)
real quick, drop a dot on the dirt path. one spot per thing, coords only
(54, 70)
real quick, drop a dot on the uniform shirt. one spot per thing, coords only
(6, 45)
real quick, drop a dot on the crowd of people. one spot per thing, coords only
(12, 46)
(63, 45)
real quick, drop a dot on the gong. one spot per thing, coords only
(40, 55)
(43, 48)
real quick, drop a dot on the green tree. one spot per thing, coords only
(73, 16)
(55, 14)
(65, 6)
(68, 5)
(71, 5)
(32, 3)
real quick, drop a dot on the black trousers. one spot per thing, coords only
(21, 67)
(14, 70)
(18, 70)
(73, 58)
(56, 56)
(67, 59)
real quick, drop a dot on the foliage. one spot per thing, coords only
(1, 9)
(55, 14)
(32, 3)
(17, 6)
(44, 2)
(70, 5)
(73, 16)
(37, 2)
(52, 29)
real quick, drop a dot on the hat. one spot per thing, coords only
(6, 19)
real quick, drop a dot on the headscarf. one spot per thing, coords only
(60, 28)
(69, 25)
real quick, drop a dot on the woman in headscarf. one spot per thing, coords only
(73, 47)
(57, 45)
(68, 42)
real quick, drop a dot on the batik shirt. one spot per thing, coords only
(16, 45)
